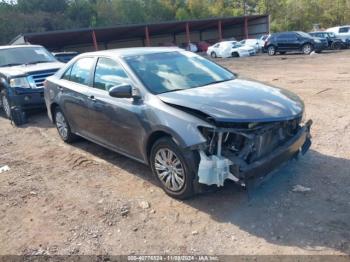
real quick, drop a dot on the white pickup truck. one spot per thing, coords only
(342, 32)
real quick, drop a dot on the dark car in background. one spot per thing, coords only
(23, 70)
(332, 40)
(65, 57)
(294, 42)
(194, 122)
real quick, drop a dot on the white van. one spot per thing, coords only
(342, 32)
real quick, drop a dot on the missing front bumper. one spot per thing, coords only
(214, 170)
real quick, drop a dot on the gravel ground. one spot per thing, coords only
(84, 199)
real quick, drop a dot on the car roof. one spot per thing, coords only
(17, 46)
(135, 51)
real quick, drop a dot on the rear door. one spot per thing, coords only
(288, 41)
(116, 121)
(282, 43)
(293, 42)
(74, 92)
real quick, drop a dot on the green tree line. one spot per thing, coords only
(23, 16)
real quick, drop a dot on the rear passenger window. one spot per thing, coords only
(109, 73)
(282, 37)
(344, 30)
(80, 72)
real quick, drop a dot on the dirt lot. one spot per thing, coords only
(83, 199)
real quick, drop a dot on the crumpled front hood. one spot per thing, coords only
(23, 70)
(239, 101)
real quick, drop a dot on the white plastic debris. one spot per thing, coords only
(300, 188)
(4, 169)
(214, 170)
(144, 204)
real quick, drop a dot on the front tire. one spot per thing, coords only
(213, 55)
(173, 167)
(6, 105)
(307, 49)
(271, 50)
(235, 54)
(63, 127)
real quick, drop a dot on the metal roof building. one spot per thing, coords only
(151, 34)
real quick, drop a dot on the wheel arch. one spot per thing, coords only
(156, 135)
(53, 107)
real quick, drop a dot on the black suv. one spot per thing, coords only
(333, 41)
(294, 41)
(23, 70)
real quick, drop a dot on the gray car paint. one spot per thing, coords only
(239, 101)
(126, 124)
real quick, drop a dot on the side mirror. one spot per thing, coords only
(121, 91)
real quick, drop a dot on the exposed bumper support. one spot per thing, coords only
(215, 169)
(301, 142)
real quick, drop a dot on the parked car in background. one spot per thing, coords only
(342, 32)
(227, 49)
(193, 122)
(203, 46)
(332, 40)
(264, 38)
(257, 44)
(191, 47)
(294, 42)
(65, 57)
(23, 69)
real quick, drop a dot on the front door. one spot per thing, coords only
(116, 121)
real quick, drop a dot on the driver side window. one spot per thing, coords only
(109, 73)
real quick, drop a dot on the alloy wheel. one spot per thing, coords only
(307, 49)
(271, 50)
(169, 169)
(61, 125)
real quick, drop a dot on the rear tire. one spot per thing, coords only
(307, 49)
(271, 50)
(336, 46)
(174, 168)
(63, 126)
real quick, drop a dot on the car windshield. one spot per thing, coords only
(236, 45)
(171, 71)
(24, 55)
(303, 34)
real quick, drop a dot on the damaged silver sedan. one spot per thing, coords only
(194, 122)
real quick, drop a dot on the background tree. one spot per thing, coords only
(24, 16)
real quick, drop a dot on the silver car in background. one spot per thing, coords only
(194, 122)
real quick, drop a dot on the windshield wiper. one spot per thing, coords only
(219, 81)
(37, 62)
(11, 64)
(172, 90)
